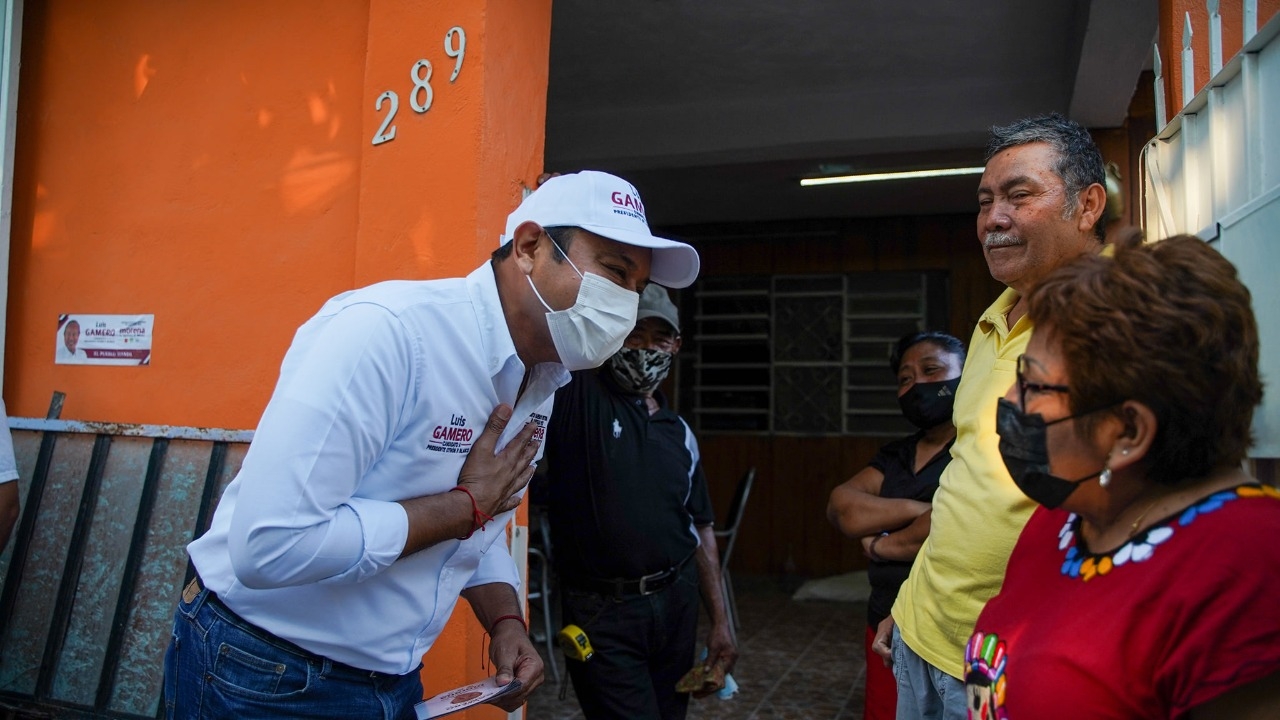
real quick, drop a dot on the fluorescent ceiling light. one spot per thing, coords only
(905, 175)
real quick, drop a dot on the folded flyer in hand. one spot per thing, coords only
(452, 701)
(703, 680)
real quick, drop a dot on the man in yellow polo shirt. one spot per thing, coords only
(1040, 205)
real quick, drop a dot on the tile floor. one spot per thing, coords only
(799, 660)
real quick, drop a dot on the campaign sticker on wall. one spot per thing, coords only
(103, 340)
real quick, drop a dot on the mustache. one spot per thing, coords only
(1000, 239)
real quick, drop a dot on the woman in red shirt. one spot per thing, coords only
(1145, 586)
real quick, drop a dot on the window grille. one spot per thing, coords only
(805, 354)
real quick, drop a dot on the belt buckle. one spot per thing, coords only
(654, 578)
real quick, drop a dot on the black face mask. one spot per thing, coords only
(928, 405)
(1024, 447)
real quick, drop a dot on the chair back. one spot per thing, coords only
(734, 519)
(740, 496)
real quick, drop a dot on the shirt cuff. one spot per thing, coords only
(385, 529)
(496, 565)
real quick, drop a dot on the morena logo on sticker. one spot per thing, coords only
(628, 200)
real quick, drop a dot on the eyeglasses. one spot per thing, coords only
(1024, 386)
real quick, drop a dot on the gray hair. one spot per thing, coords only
(1079, 161)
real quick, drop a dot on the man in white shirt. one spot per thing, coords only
(395, 448)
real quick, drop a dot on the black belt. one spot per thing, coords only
(621, 587)
(336, 668)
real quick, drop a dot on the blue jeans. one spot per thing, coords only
(643, 645)
(220, 666)
(924, 691)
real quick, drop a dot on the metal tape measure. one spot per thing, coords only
(573, 641)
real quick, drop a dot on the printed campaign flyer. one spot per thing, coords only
(462, 698)
(103, 340)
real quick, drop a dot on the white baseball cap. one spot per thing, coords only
(610, 207)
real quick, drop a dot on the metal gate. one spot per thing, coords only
(93, 572)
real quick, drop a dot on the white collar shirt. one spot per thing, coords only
(380, 397)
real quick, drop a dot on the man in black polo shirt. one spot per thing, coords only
(631, 528)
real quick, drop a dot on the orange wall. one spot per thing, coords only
(212, 163)
(198, 161)
(1173, 15)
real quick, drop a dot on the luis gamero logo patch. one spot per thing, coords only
(453, 437)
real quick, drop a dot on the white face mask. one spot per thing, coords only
(594, 328)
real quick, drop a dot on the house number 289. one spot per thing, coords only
(422, 95)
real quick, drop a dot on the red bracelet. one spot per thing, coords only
(478, 518)
(517, 618)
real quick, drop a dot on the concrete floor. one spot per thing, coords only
(798, 660)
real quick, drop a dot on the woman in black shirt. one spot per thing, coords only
(886, 506)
